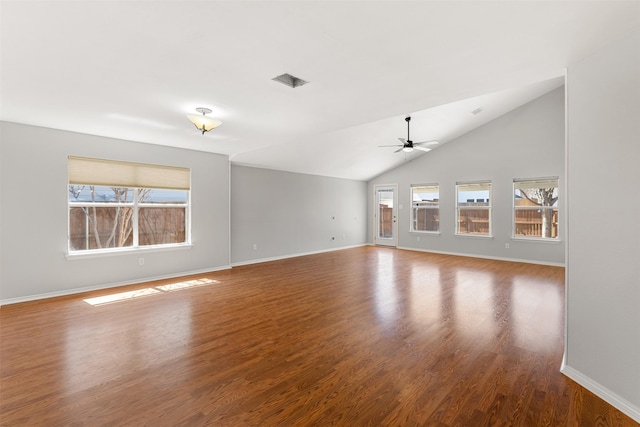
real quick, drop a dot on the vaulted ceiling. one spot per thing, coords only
(133, 69)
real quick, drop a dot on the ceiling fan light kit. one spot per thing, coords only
(408, 145)
(202, 122)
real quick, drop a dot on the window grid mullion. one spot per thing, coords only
(136, 241)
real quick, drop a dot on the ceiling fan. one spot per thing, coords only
(408, 145)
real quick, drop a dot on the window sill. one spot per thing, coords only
(116, 252)
(536, 240)
(425, 233)
(474, 236)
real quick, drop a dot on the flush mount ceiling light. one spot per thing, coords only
(202, 122)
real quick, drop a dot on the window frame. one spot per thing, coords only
(488, 207)
(413, 219)
(119, 174)
(515, 208)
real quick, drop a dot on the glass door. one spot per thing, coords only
(385, 215)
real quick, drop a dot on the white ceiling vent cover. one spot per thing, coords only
(289, 80)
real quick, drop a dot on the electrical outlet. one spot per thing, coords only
(506, 246)
(255, 246)
(140, 261)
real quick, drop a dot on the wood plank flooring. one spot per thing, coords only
(365, 336)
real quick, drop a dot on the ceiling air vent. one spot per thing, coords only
(289, 80)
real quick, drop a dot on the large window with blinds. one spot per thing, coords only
(425, 208)
(473, 208)
(117, 205)
(535, 208)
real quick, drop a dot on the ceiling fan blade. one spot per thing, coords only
(426, 143)
(426, 150)
(399, 150)
(404, 141)
(395, 145)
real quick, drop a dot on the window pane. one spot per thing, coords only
(97, 193)
(147, 195)
(100, 227)
(473, 221)
(94, 225)
(538, 223)
(386, 198)
(385, 226)
(426, 219)
(158, 226)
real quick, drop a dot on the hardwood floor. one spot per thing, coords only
(366, 336)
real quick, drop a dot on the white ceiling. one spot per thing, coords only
(133, 69)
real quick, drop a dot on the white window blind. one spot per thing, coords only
(523, 184)
(425, 188)
(473, 186)
(115, 173)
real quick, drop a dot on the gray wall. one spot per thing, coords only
(527, 142)
(33, 214)
(287, 214)
(603, 262)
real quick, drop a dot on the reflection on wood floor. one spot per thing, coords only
(364, 336)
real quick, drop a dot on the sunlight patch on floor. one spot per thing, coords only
(126, 296)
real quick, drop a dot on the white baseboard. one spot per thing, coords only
(277, 258)
(602, 392)
(526, 261)
(108, 285)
